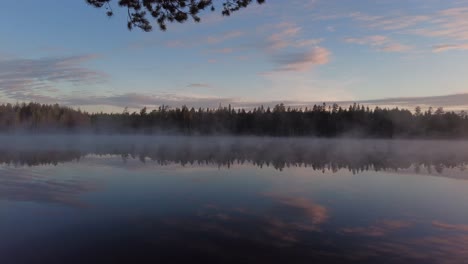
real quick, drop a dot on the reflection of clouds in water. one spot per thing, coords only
(291, 217)
(446, 226)
(288, 218)
(438, 248)
(431, 249)
(269, 228)
(446, 249)
(380, 229)
(280, 225)
(239, 232)
(280, 219)
(18, 184)
(315, 213)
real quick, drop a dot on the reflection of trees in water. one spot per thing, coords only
(326, 155)
(36, 158)
(25, 185)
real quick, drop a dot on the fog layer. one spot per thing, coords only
(332, 154)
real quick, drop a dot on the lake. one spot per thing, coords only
(163, 199)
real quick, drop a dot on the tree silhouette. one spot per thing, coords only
(318, 121)
(139, 12)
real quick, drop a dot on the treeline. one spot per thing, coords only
(41, 117)
(319, 120)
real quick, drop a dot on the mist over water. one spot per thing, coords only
(140, 199)
(332, 154)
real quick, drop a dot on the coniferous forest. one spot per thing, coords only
(319, 121)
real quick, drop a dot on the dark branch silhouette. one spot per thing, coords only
(140, 12)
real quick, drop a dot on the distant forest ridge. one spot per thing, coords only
(317, 121)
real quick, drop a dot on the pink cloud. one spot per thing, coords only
(304, 61)
(449, 23)
(287, 36)
(224, 37)
(395, 47)
(388, 22)
(307, 42)
(399, 22)
(381, 43)
(281, 39)
(224, 50)
(376, 40)
(448, 47)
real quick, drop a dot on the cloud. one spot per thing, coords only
(29, 76)
(282, 39)
(459, 101)
(395, 47)
(448, 24)
(376, 40)
(290, 52)
(389, 23)
(306, 42)
(309, 4)
(356, 16)
(453, 102)
(400, 22)
(190, 43)
(176, 44)
(32, 96)
(302, 61)
(223, 37)
(287, 36)
(379, 42)
(224, 50)
(199, 85)
(135, 100)
(449, 47)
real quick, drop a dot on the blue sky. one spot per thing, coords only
(298, 51)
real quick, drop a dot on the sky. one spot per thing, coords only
(300, 52)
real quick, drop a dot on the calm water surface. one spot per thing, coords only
(232, 200)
